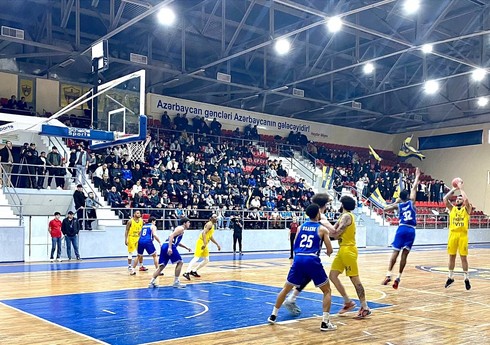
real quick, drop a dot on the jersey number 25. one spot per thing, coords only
(306, 241)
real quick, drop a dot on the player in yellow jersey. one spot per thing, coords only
(459, 220)
(132, 236)
(202, 250)
(346, 258)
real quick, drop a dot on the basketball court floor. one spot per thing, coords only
(97, 302)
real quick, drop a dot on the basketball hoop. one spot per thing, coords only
(136, 150)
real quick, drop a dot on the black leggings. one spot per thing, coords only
(292, 236)
(237, 237)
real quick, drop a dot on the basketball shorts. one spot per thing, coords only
(132, 245)
(201, 253)
(457, 242)
(346, 259)
(148, 246)
(164, 257)
(307, 267)
(404, 238)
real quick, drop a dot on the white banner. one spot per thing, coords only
(232, 117)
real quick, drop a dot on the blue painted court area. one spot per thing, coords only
(145, 315)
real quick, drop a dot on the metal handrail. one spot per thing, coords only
(8, 184)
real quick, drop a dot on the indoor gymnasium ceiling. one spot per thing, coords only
(237, 37)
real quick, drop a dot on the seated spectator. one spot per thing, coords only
(114, 198)
(126, 176)
(99, 174)
(22, 104)
(140, 201)
(12, 103)
(137, 187)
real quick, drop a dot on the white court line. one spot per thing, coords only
(483, 325)
(286, 322)
(226, 294)
(108, 311)
(204, 290)
(55, 324)
(251, 299)
(271, 292)
(366, 332)
(388, 343)
(202, 300)
(341, 323)
(169, 299)
(270, 303)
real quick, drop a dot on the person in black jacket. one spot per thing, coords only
(70, 228)
(79, 200)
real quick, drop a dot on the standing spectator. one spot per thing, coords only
(54, 164)
(70, 229)
(293, 229)
(91, 205)
(7, 161)
(54, 229)
(81, 164)
(237, 234)
(41, 170)
(79, 200)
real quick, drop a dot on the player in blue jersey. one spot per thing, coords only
(169, 252)
(147, 235)
(307, 265)
(405, 234)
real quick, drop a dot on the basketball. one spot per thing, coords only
(456, 180)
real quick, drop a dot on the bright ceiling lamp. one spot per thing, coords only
(411, 6)
(478, 74)
(431, 87)
(427, 48)
(166, 16)
(282, 46)
(334, 24)
(482, 101)
(368, 68)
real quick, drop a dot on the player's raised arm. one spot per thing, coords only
(466, 201)
(448, 203)
(413, 191)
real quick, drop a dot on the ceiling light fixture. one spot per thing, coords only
(427, 48)
(368, 68)
(478, 74)
(282, 46)
(166, 16)
(482, 101)
(431, 86)
(334, 24)
(411, 6)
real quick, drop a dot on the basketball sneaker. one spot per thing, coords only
(129, 267)
(386, 280)
(396, 283)
(292, 307)
(59, 260)
(52, 260)
(363, 313)
(186, 276)
(161, 274)
(327, 326)
(132, 272)
(143, 269)
(178, 285)
(449, 282)
(467, 284)
(347, 307)
(153, 285)
(272, 319)
(194, 274)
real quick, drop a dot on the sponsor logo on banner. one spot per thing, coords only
(79, 132)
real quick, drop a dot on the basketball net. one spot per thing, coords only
(136, 150)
